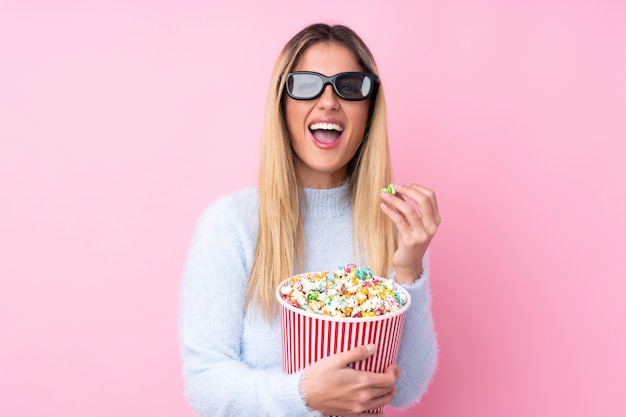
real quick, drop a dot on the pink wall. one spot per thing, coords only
(120, 121)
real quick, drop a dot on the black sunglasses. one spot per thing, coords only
(352, 86)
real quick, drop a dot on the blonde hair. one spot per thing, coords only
(280, 244)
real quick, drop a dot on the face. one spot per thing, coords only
(325, 132)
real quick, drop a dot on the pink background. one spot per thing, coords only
(121, 120)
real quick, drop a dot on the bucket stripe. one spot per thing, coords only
(306, 340)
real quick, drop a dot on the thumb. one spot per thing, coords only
(357, 354)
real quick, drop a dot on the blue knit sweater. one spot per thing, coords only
(232, 360)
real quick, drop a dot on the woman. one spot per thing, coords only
(317, 206)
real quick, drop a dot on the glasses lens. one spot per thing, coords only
(353, 86)
(304, 86)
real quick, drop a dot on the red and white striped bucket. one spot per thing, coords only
(309, 337)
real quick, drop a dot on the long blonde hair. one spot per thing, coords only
(280, 244)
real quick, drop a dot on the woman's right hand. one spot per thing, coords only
(331, 387)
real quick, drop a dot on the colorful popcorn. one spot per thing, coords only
(347, 292)
(390, 189)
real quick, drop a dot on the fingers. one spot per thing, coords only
(365, 414)
(401, 214)
(427, 213)
(346, 391)
(417, 224)
(381, 400)
(373, 404)
(394, 370)
(415, 213)
(354, 355)
(383, 382)
(386, 379)
(425, 199)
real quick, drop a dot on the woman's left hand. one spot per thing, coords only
(416, 227)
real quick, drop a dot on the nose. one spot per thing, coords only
(328, 99)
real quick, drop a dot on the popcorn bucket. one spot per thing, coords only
(308, 337)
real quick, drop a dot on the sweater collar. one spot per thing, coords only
(327, 202)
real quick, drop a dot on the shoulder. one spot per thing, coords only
(241, 201)
(235, 211)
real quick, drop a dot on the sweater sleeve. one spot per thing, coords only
(417, 357)
(217, 381)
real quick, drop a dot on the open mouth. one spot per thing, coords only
(326, 132)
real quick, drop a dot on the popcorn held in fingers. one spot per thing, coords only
(390, 189)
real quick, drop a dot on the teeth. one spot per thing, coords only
(326, 126)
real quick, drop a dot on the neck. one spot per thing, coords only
(322, 181)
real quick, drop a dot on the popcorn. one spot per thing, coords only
(389, 189)
(347, 292)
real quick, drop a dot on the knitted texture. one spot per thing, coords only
(232, 362)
